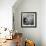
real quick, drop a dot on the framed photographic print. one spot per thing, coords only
(29, 19)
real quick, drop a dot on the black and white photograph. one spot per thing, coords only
(28, 19)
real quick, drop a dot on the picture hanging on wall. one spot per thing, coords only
(29, 19)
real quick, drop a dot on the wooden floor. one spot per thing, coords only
(9, 43)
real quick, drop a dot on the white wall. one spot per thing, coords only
(29, 6)
(43, 22)
(6, 13)
(37, 34)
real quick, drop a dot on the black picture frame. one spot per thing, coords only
(28, 19)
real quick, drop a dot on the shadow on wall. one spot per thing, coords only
(18, 3)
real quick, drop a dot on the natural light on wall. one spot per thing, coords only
(6, 13)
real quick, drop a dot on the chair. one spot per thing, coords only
(18, 39)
